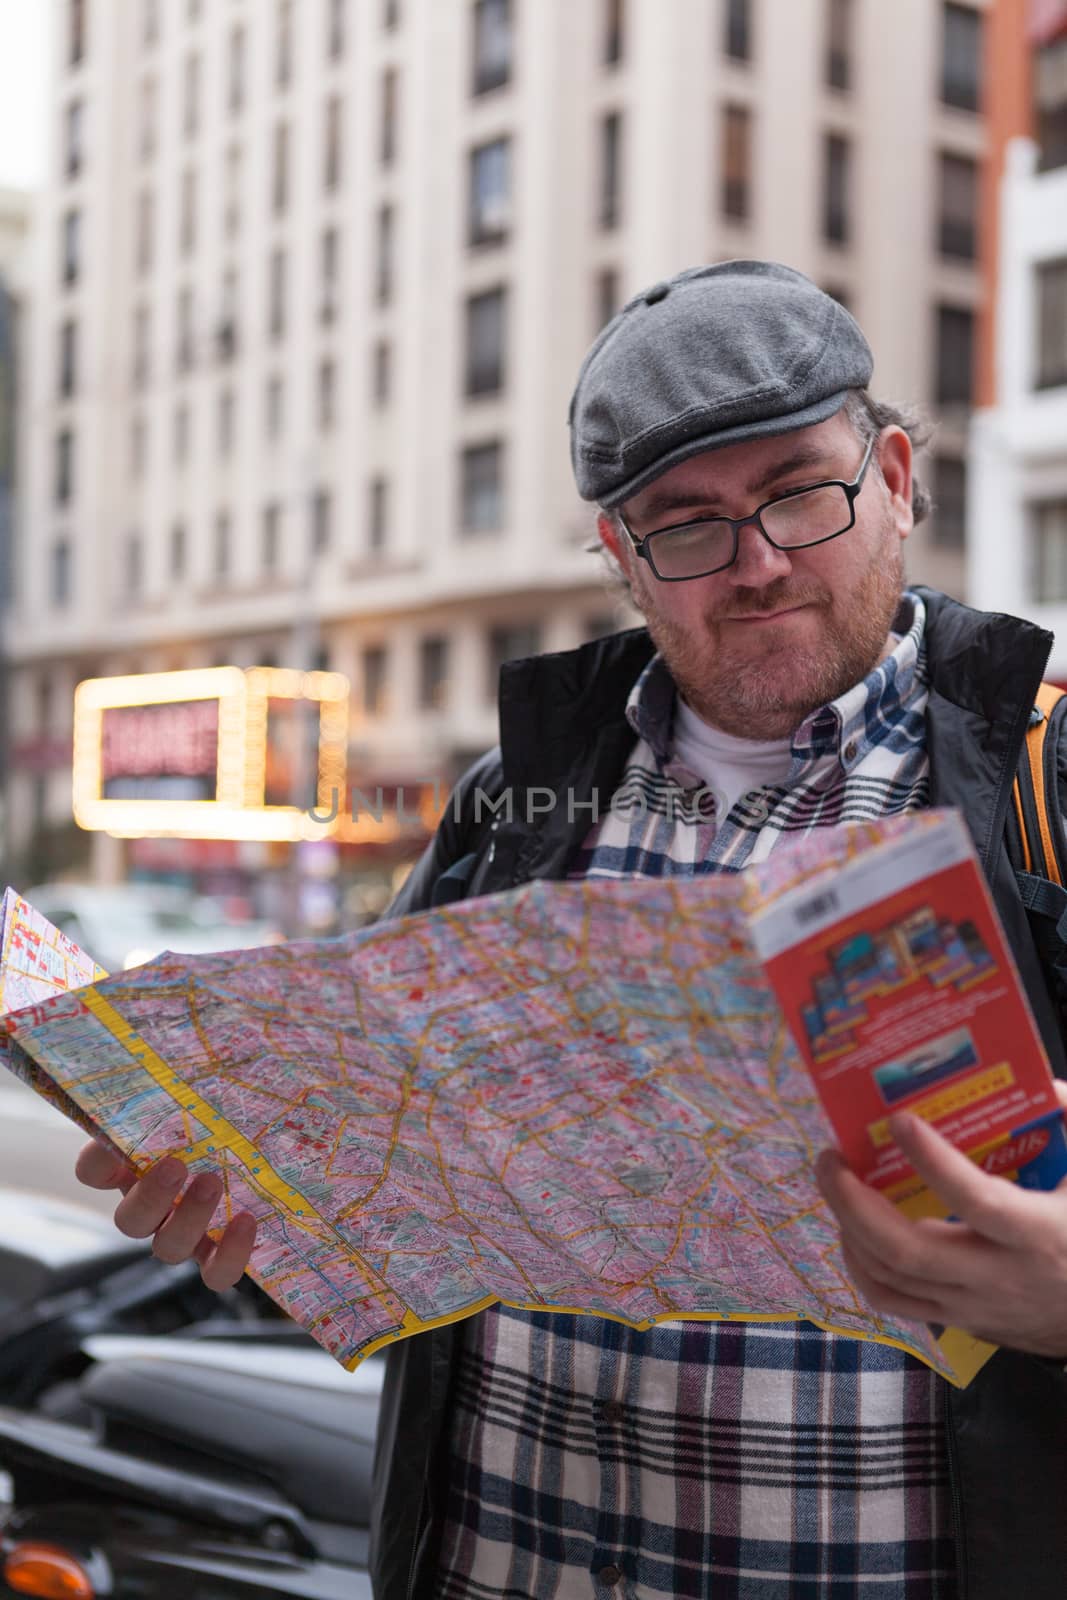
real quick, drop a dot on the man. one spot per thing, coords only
(756, 502)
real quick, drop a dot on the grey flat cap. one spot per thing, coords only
(715, 356)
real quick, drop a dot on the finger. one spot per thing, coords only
(903, 1282)
(992, 1206)
(1061, 1091)
(177, 1237)
(888, 1301)
(149, 1201)
(223, 1264)
(868, 1218)
(100, 1168)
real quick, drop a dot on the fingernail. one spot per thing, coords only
(171, 1172)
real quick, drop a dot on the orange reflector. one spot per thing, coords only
(48, 1573)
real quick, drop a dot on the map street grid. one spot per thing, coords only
(576, 1096)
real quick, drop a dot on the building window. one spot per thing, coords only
(64, 484)
(736, 162)
(225, 421)
(68, 358)
(76, 32)
(606, 297)
(330, 273)
(134, 565)
(1050, 103)
(839, 44)
(191, 113)
(598, 626)
(378, 523)
(276, 308)
(382, 365)
(186, 351)
(279, 183)
(482, 488)
(142, 342)
(389, 117)
(283, 60)
(383, 271)
(610, 169)
(74, 137)
(148, 118)
(235, 76)
(958, 207)
(1051, 364)
(321, 521)
(273, 408)
(374, 680)
(271, 536)
(509, 642)
(955, 344)
(223, 551)
(737, 40)
(614, 31)
(1048, 520)
(836, 163)
(137, 448)
(493, 44)
(145, 231)
(390, 14)
(177, 550)
(181, 434)
(433, 672)
(71, 251)
(486, 316)
(950, 502)
(335, 31)
(149, 23)
(187, 230)
(838, 292)
(226, 328)
(61, 575)
(331, 172)
(490, 192)
(327, 395)
(231, 209)
(961, 57)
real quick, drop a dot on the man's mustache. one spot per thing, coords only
(779, 596)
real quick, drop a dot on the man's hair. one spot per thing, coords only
(868, 417)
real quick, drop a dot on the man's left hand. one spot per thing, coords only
(1000, 1272)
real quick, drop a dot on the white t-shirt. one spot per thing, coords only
(728, 765)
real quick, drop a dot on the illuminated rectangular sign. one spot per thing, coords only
(217, 753)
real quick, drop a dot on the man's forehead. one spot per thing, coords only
(743, 469)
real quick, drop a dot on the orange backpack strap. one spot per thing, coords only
(1035, 793)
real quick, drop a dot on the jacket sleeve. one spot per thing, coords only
(457, 833)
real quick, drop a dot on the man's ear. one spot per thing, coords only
(895, 464)
(608, 529)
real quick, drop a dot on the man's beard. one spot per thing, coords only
(766, 692)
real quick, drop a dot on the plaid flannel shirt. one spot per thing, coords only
(759, 1461)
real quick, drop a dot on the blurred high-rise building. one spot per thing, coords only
(1018, 520)
(314, 278)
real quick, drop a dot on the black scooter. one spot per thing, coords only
(200, 1467)
(66, 1275)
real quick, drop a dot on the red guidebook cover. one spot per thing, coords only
(897, 984)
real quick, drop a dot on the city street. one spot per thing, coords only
(38, 1148)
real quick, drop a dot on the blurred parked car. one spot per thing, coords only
(128, 924)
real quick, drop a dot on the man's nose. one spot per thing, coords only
(758, 561)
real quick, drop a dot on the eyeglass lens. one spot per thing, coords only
(800, 519)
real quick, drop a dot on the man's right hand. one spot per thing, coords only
(156, 1206)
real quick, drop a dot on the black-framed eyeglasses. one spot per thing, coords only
(793, 521)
